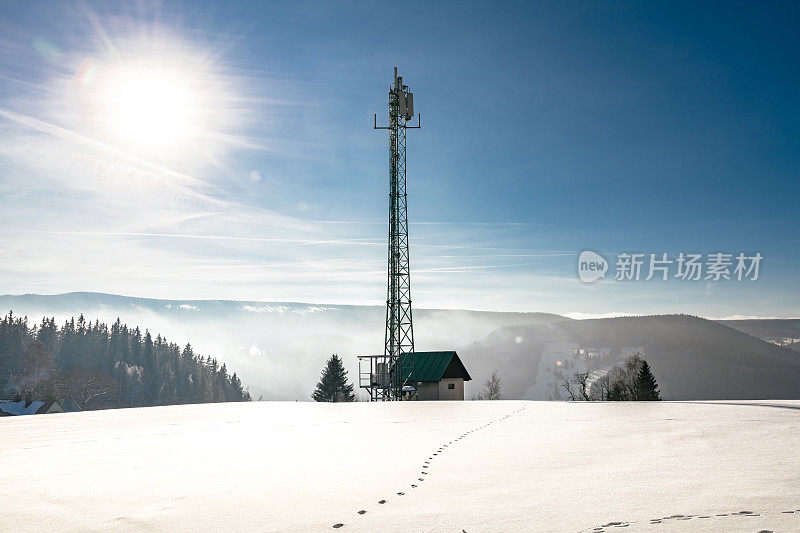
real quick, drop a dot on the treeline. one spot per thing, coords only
(631, 381)
(89, 365)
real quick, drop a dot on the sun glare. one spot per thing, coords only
(150, 107)
(157, 98)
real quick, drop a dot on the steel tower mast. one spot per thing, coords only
(399, 338)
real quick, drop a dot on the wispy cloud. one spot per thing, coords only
(351, 242)
(95, 145)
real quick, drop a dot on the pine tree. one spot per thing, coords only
(150, 364)
(38, 367)
(333, 386)
(616, 393)
(48, 334)
(646, 385)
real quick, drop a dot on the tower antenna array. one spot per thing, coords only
(389, 380)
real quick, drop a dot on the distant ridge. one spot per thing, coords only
(692, 358)
(76, 298)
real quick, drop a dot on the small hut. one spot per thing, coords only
(436, 375)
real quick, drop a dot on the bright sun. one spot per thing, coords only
(151, 107)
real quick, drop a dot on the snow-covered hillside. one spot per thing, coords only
(439, 466)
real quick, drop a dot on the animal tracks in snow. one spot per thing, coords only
(440, 450)
(673, 519)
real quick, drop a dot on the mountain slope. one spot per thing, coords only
(692, 358)
(766, 327)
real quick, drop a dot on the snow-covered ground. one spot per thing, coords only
(439, 466)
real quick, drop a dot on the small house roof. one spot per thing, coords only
(19, 408)
(46, 406)
(433, 366)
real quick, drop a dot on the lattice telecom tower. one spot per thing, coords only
(388, 379)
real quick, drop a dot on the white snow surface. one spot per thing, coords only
(499, 466)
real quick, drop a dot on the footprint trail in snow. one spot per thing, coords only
(440, 450)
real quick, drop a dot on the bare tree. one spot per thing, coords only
(491, 390)
(575, 386)
(86, 389)
(601, 388)
(566, 384)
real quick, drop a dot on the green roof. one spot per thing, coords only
(432, 366)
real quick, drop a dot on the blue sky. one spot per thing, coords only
(548, 129)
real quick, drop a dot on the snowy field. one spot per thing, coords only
(449, 466)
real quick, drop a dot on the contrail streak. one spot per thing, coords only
(204, 237)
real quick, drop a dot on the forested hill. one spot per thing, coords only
(692, 358)
(93, 366)
(767, 328)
